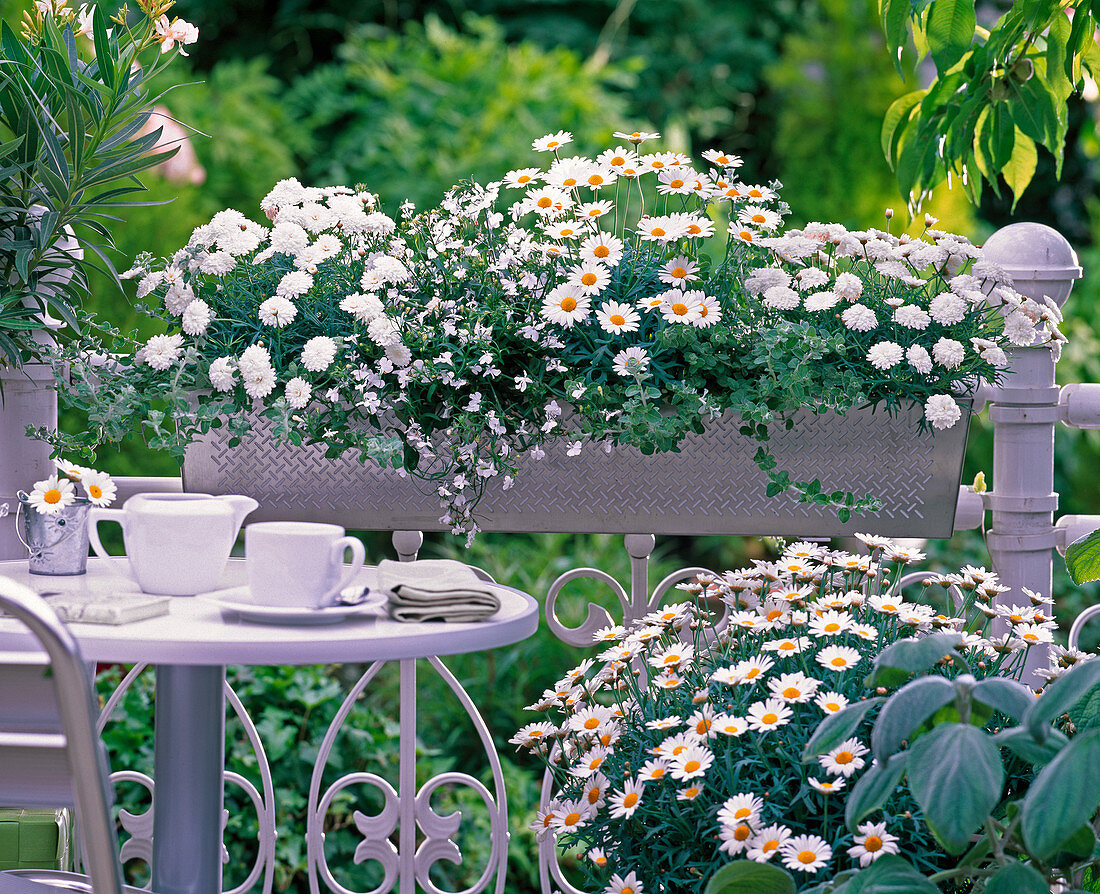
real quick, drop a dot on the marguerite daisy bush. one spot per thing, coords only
(643, 291)
(679, 748)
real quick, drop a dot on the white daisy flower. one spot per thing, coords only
(616, 317)
(522, 177)
(98, 487)
(941, 411)
(602, 248)
(729, 725)
(298, 392)
(734, 838)
(787, 645)
(871, 843)
(766, 843)
(52, 495)
(547, 201)
(588, 278)
(806, 853)
(566, 305)
(762, 218)
(659, 229)
(838, 658)
(553, 141)
(533, 734)
(654, 770)
(769, 714)
(674, 181)
(744, 807)
(793, 688)
(678, 272)
(682, 307)
(598, 176)
(161, 351)
(845, 759)
(567, 229)
(830, 623)
(628, 884)
(750, 670)
(830, 702)
(692, 761)
(624, 802)
(826, 786)
(632, 361)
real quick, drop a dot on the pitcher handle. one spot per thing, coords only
(358, 557)
(95, 516)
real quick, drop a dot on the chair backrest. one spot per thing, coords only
(50, 755)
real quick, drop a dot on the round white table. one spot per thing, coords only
(191, 647)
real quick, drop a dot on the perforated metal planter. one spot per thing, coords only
(711, 486)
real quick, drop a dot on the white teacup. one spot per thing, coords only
(299, 564)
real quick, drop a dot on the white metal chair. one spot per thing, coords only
(50, 755)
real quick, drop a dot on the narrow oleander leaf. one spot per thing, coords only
(1063, 797)
(956, 777)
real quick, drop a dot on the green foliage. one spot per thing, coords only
(1083, 558)
(409, 114)
(747, 877)
(998, 92)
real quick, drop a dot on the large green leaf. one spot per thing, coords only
(889, 874)
(1021, 166)
(1021, 743)
(906, 710)
(1061, 695)
(1083, 558)
(1063, 797)
(950, 30)
(748, 877)
(894, 663)
(1017, 878)
(895, 19)
(835, 728)
(955, 775)
(1007, 696)
(893, 124)
(873, 789)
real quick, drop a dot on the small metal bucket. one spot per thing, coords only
(56, 544)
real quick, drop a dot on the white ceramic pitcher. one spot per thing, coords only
(177, 544)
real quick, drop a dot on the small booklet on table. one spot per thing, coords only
(99, 609)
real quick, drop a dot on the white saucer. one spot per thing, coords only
(240, 601)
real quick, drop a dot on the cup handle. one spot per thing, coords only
(358, 557)
(95, 516)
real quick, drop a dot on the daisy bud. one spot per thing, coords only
(889, 213)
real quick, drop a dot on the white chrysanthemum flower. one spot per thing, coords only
(363, 307)
(825, 300)
(217, 263)
(318, 353)
(223, 374)
(277, 311)
(177, 298)
(948, 353)
(399, 354)
(782, 298)
(383, 332)
(848, 286)
(253, 358)
(759, 281)
(1019, 329)
(298, 392)
(810, 278)
(161, 351)
(912, 317)
(149, 282)
(919, 358)
(259, 381)
(859, 318)
(391, 269)
(941, 411)
(196, 317)
(947, 308)
(52, 495)
(885, 355)
(293, 284)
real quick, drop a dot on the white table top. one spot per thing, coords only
(198, 632)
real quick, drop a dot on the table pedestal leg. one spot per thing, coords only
(188, 760)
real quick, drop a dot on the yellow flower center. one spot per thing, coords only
(694, 229)
(756, 194)
(692, 792)
(722, 160)
(676, 184)
(679, 308)
(758, 218)
(770, 846)
(872, 844)
(844, 757)
(679, 272)
(742, 813)
(775, 612)
(553, 144)
(545, 202)
(832, 706)
(703, 311)
(591, 723)
(546, 820)
(568, 304)
(702, 727)
(746, 235)
(769, 718)
(839, 661)
(595, 180)
(589, 279)
(791, 692)
(787, 646)
(630, 800)
(741, 833)
(567, 231)
(657, 231)
(831, 627)
(535, 733)
(569, 181)
(806, 857)
(572, 818)
(1015, 619)
(753, 672)
(617, 320)
(618, 161)
(627, 889)
(595, 212)
(605, 739)
(523, 178)
(53, 495)
(95, 491)
(601, 251)
(679, 748)
(657, 164)
(593, 795)
(658, 772)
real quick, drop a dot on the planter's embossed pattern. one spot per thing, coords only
(711, 486)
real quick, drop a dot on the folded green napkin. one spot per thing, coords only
(436, 590)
